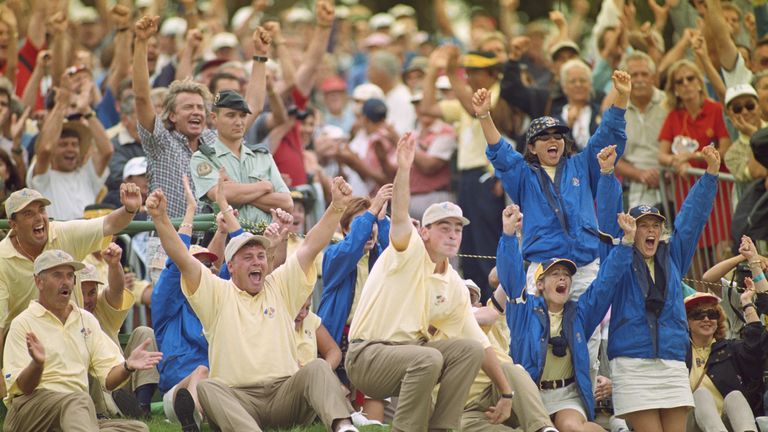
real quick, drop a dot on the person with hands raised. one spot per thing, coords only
(551, 328)
(648, 343)
(263, 304)
(48, 380)
(725, 375)
(413, 326)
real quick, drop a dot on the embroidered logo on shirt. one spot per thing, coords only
(439, 299)
(86, 332)
(308, 333)
(575, 181)
(204, 169)
(269, 312)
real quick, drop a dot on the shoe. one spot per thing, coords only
(347, 428)
(184, 407)
(127, 404)
(548, 429)
(359, 419)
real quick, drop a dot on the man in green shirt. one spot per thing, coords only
(254, 184)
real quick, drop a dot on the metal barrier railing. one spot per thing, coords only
(715, 241)
(202, 222)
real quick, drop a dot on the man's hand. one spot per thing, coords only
(146, 27)
(282, 218)
(194, 39)
(341, 193)
(558, 19)
(261, 41)
(379, 202)
(130, 197)
(439, 58)
(511, 219)
(274, 30)
(157, 204)
(481, 102)
(744, 126)
(35, 349)
(607, 158)
(747, 249)
(748, 296)
(406, 151)
(18, 124)
(604, 388)
(324, 13)
(112, 254)
(518, 46)
(141, 359)
(712, 156)
(649, 177)
(629, 226)
(58, 23)
(501, 412)
(622, 82)
(83, 99)
(121, 16)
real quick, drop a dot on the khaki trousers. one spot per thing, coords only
(410, 372)
(141, 377)
(45, 410)
(313, 391)
(737, 415)
(528, 410)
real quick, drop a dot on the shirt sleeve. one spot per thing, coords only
(105, 354)
(112, 319)
(150, 140)
(3, 302)
(81, 237)
(471, 329)
(738, 75)
(443, 147)
(204, 174)
(207, 300)
(292, 283)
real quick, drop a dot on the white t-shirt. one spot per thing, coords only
(400, 111)
(69, 192)
(359, 146)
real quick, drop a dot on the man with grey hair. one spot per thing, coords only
(645, 115)
(126, 144)
(384, 71)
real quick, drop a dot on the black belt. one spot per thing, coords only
(556, 384)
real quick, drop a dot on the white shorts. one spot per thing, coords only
(170, 414)
(563, 398)
(645, 384)
(579, 283)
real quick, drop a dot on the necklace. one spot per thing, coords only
(22, 250)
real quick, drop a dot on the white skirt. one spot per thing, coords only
(645, 384)
(563, 398)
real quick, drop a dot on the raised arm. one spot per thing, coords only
(401, 229)
(305, 75)
(255, 93)
(12, 50)
(724, 45)
(115, 275)
(32, 90)
(428, 105)
(120, 16)
(481, 107)
(188, 54)
(51, 131)
(757, 265)
(101, 151)
(320, 235)
(36, 27)
(172, 244)
(461, 89)
(277, 233)
(117, 220)
(509, 261)
(145, 28)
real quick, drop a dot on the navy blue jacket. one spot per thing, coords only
(560, 219)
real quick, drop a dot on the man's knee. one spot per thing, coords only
(143, 333)
(430, 360)
(201, 372)
(471, 349)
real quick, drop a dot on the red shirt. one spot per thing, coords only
(289, 156)
(440, 180)
(707, 127)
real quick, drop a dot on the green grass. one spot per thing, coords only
(158, 424)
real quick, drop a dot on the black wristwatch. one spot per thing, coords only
(127, 369)
(508, 395)
(749, 305)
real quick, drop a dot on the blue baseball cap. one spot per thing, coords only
(645, 210)
(546, 265)
(541, 125)
(375, 110)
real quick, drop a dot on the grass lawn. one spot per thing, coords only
(158, 424)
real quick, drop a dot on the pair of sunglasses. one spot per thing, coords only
(689, 78)
(698, 315)
(548, 137)
(749, 106)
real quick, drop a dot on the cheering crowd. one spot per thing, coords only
(495, 219)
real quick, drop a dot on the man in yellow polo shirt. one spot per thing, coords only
(51, 347)
(110, 305)
(255, 380)
(412, 292)
(31, 234)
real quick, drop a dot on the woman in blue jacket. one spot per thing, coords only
(555, 189)
(550, 331)
(649, 341)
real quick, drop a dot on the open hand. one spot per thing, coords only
(35, 349)
(622, 82)
(141, 359)
(501, 412)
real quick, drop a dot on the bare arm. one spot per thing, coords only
(677, 52)
(36, 27)
(121, 63)
(273, 200)
(462, 90)
(428, 104)
(327, 348)
(190, 13)
(117, 220)
(699, 46)
(50, 133)
(719, 270)
(305, 75)
(12, 52)
(428, 164)
(188, 54)
(277, 113)
(239, 194)
(716, 25)
(481, 105)
(255, 92)
(29, 97)
(61, 48)
(443, 22)
(401, 228)
(146, 27)
(102, 150)
(115, 275)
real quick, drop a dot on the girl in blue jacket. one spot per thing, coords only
(648, 339)
(554, 189)
(550, 332)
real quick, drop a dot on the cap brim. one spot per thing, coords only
(43, 200)
(695, 301)
(254, 239)
(658, 216)
(77, 265)
(464, 221)
(210, 255)
(92, 280)
(570, 265)
(558, 128)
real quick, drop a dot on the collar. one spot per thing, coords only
(8, 250)
(40, 311)
(222, 149)
(657, 98)
(123, 137)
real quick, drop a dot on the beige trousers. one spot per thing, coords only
(410, 372)
(45, 410)
(528, 411)
(313, 391)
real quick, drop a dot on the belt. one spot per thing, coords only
(556, 384)
(356, 341)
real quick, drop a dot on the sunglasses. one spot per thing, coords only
(737, 108)
(548, 137)
(689, 78)
(711, 314)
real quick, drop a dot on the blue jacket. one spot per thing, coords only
(560, 218)
(178, 331)
(528, 319)
(340, 271)
(636, 332)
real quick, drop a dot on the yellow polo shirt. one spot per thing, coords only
(471, 146)
(498, 335)
(556, 368)
(306, 339)
(251, 338)
(136, 289)
(700, 357)
(17, 284)
(294, 241)
(403, 297)
(112, 319)
(362, 276)
(72, 350)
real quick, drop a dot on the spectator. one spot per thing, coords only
(254, 185)
(744, 111)
(645, 116)
(293, 395)
(384, 72)
(338, 111)
(390, 340)
(48, 387)
(581, 112)
(12, 179)
(72, 157)
(126, 145)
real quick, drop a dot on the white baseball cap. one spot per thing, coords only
(366, 91)
(381, 20)
(223, 40)
(173, 26)
(135, 167)
(444, 210)
(739, 90)
(243, 240)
